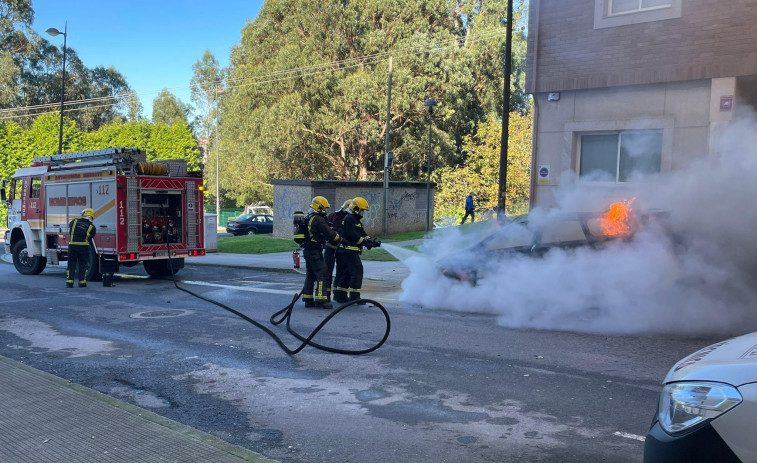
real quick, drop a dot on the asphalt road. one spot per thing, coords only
(446, 387)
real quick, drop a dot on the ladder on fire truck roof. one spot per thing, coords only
(123, 157)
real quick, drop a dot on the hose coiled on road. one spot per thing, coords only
(286, 314)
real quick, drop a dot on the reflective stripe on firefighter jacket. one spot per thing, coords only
(353, 234)
(81, 231)
(319, 232)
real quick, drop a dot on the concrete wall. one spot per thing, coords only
(682, 110)
(573, 45)
(407, 211)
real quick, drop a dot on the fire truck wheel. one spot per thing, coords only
(25, 264)
(93, 272)
(159, 268)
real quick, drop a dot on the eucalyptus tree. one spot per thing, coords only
(168, 109)
(307, 87)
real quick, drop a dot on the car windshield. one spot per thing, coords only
(243, 217)
(512, 235)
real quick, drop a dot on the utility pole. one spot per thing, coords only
(387, 161)
(502, 196)
(218, 190)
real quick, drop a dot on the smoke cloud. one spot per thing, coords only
(694, 275)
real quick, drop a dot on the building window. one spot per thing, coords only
(614, 13)
(619, 156)
(635, 6)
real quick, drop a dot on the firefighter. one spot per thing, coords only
(317, 233)
(354, 238)
(81, 233)
(330, 253)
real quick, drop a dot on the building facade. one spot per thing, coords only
(629, 87)
(408, 203)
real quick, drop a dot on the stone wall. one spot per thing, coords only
(407, 203)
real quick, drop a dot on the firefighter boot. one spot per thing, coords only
(308, 299)
(69, 285)
(82, 284)
(324, 305)
(354, 296)
(340, 295)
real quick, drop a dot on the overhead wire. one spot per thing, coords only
(267, 78)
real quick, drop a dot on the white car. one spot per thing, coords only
(708, 407)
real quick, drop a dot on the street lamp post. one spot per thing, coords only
(430, 106)
(54, 32)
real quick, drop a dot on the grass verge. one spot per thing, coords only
(264, 244)
(254, 244)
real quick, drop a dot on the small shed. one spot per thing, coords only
(408, 203)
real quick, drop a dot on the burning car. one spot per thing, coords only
(535, 235)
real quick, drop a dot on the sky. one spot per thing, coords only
(152, 43)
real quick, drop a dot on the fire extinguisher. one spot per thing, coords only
(296, 258)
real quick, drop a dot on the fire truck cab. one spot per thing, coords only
(150, 212)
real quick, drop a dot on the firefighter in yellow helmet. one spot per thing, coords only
(317, 234)
(330, 254)
(354, 238)
(81, 233)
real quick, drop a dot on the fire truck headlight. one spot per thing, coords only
(686, 404)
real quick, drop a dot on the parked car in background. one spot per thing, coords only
(259, 209)
(708, 407)
(250, 224)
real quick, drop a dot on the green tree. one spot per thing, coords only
(15, 152)
(43, 135)
(307, 87)
(30, 74)
(205, 84)
(480, 171)
(168, 110)
(174, 142)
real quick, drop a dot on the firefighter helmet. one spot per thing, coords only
(358, 205)
(320, 204)
(346, 205)
(90, 213)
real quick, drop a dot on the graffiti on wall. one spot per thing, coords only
(285, 202)
(372, 217)
(402, 207)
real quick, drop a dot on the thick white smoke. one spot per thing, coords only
(698, 275)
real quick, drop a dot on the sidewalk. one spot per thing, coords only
(49, 419)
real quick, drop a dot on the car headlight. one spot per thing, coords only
(687, 404)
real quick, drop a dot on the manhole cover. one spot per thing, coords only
(162, 313)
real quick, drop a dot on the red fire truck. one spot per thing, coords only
(142, 209)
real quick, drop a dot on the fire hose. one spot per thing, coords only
(286, 314)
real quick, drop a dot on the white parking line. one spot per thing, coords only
(241, 288)
(628, 435)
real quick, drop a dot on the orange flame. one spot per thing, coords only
(616, 221)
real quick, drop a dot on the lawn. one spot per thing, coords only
(254, 244)
(263, 244)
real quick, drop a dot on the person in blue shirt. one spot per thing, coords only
(469, 209)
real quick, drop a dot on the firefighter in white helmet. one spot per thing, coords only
(81, 233)
(317, 234)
